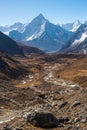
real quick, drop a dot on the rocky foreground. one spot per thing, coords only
(43, 101)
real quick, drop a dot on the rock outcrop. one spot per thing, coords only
(42, 119)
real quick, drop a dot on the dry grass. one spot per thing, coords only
(76, 71)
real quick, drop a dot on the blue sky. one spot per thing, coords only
(57, 11)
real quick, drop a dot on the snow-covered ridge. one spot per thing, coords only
(71, 26)
(75, 26)
(16, 26)
(82, 38)
(42, 34)
(37, 34)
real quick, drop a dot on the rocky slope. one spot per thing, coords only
(9, 46)
(10, 68)
(28, 50)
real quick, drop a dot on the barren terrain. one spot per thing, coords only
(53, 83)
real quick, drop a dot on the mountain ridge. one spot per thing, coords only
(72, 26)
(11, 47)
(44, 33)
(78, 42)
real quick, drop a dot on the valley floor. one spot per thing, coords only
(54, 83)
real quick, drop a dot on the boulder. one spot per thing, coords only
(42, 119)
(6, 127)
(84, 120)
(18, 129)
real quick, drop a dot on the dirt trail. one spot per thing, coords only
(8, 115)
(49, 77)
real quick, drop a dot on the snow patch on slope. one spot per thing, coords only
(76, 25)
(36, 35)
(82, 38)
(6, 33)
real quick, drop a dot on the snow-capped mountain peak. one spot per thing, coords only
(16, 26)
(85, 22)
(39, 19)
(76, 25)
(42, 34)
(35, 29)
(81, 35)
(77, 22)
(40, 16)
(78, 42)
(72, 26)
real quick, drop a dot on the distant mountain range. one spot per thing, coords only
(16, 26)
(20, 27)
(40, 33)
(44, 35)
(71, 26)
(78, 42)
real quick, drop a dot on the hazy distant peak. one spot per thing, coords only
(78, 43)
(85, 22)
(72, 26)
(40, 17)
(76, 25)
(77, 22)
